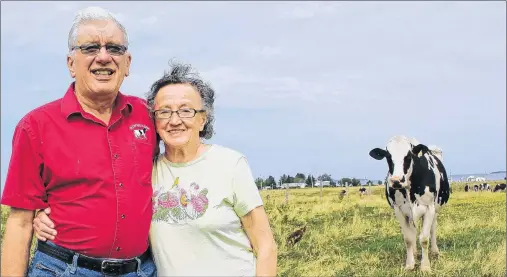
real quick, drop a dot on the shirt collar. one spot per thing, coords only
(71, 106)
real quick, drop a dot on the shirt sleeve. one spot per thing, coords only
(24, 187)
(246, 194)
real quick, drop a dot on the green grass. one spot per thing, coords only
(359, 236)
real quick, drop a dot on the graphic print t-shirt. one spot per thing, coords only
(196, 228)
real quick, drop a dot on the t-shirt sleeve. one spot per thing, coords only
(24, 187)
(246, 194)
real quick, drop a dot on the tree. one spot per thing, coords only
(355, 182)
(324, 177)
(301, 176)
(283, 179)
(290, 179)
(310, 180)
(270, 182)
(379, 182)
(346, 180)
(327, 177)
(259, 182)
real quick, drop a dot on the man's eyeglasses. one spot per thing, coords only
(182, 113)
(94, 49)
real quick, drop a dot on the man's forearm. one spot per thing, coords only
(16, 246)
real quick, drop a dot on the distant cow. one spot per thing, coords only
(476, 188)
(417, 187)
(362, 191)
(499, 187)
(342, 194)
(467, 188)
(484, 186)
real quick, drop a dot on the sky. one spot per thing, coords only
(306, 87)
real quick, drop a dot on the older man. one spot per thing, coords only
(87, 156)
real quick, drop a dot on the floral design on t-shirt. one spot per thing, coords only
(179, 204)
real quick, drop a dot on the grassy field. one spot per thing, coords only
(359, 236)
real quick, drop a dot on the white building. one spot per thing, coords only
(293, 185)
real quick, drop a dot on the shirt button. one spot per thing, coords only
(116, 156)
(118, 248)
(123, 216)
(121, 185)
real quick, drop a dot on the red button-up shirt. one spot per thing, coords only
(95, 177)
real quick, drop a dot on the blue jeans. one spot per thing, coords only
(43, 265)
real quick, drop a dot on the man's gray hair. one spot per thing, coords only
(91, 14)
(184, 74)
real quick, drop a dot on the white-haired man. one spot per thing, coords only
(81, 156)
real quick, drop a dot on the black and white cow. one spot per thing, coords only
(484, 186)
(500, 187)
(416, 187)
(362, 191)
(476, 188)
(467, 187)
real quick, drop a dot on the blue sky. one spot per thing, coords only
(301, 86)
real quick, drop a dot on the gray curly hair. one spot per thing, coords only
(184, 74)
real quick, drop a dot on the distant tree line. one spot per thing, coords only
(270, 181)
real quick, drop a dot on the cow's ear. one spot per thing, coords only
(420, 148)
(378, 154)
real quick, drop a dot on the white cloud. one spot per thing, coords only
(267, 52)
(150, 20)
(307, 10)
(226, 77)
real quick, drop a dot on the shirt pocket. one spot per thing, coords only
(143, 161)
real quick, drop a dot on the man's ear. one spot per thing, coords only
(128, 62)
(379, 154)
(70, 65)
(418, 148)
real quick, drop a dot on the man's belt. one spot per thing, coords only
(105, 266)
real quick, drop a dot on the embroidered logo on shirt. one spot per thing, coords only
(179, 204)
(139, 130)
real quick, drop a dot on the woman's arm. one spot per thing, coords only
(257, 228)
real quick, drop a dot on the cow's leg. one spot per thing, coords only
(424, 237)
(409, 236)
(434, 247)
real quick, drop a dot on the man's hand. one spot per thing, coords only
(43, 226)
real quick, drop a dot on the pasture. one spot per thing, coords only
(359, 236)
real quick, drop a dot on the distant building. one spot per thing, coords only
(475, 179)
(324, 183)
(293, 185)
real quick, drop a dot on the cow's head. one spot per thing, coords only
(401, 156)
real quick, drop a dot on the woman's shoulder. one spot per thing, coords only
(226, 153)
